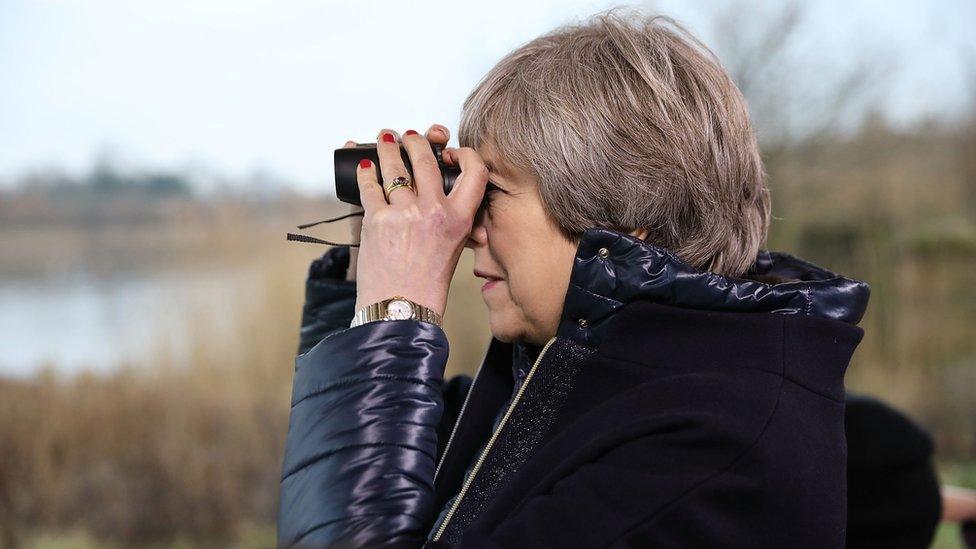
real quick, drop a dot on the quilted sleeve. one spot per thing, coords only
(362, 438)
(330, 299)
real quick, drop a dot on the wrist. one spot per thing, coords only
(396, 307)
(436, 304)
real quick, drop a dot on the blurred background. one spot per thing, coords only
(153, 155)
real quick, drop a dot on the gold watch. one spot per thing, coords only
(395, 308)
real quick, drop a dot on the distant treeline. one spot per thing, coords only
(110, 195)
(105, 180)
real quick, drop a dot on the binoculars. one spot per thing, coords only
(347, 159)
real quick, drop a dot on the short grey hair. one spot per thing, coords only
(627, 121)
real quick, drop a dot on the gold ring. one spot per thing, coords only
(398, 182)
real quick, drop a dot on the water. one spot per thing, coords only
(78, 322)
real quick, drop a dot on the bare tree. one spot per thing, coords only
(793, 89)
(967, 143)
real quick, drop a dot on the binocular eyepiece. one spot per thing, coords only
(347, 159)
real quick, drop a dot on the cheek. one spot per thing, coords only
(505, 251)
(501, 245)
(527, 281)
(534, 259)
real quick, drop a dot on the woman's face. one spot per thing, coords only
(523, 254)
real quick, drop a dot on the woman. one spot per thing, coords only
(654, 378)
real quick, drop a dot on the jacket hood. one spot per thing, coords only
(613, 268)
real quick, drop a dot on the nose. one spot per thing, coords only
(479, 233)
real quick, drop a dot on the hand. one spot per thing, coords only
(437, 134)
(411, 245)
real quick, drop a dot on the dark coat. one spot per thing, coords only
(674, 408)
(893, 496)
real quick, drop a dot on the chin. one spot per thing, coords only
(504, 330)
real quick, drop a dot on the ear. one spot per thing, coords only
(640, 233)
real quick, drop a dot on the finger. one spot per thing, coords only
(428, 181)
(391, 165)
(469, 188)
(352, 207)
(438, 134)
(370, 193)
(355, 224)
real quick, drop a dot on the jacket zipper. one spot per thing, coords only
(491, 441)
(457, 422)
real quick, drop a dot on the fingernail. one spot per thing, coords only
(365, 163)
(409, 132)
(388, 138)
(442, 129)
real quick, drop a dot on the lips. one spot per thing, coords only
(489, 277)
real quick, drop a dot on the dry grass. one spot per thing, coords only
(188, 451)
(897, 210)
(174, 451)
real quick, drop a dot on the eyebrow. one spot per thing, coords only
(492, 169)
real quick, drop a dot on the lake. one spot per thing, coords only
(81, 322)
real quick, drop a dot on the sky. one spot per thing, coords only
(241, 87)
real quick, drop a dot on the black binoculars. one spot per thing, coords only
(347, 159)
(347, 186)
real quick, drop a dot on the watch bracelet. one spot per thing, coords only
(372, 313)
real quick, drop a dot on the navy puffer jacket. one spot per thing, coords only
(674, 407)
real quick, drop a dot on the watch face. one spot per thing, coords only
(399, 309)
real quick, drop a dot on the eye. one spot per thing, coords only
(490, 189)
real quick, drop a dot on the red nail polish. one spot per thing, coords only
(409, 132)
(365, 163)
(388, 137)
